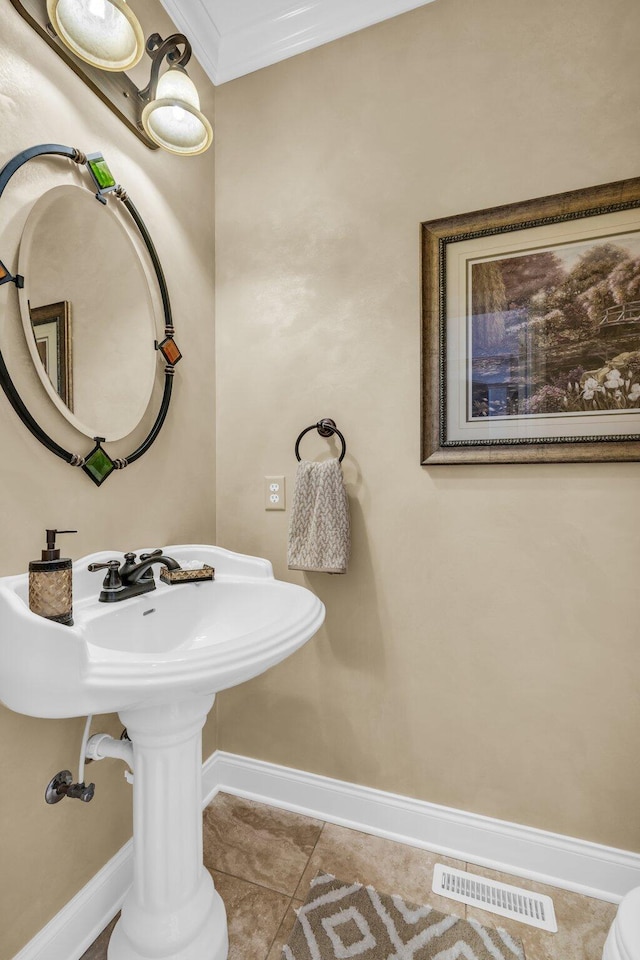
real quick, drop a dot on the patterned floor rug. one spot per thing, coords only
(341, 920)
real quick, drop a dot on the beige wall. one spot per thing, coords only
(482, 651)
(49, 853)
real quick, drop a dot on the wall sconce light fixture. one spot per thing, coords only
(100, 40)
(172, 116)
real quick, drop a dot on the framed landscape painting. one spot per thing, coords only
(531, 330)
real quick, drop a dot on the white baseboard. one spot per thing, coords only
(579, 865)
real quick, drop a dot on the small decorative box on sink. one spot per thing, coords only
(205, 572)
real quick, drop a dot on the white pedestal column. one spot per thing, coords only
(172, 911)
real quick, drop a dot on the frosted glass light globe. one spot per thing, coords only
(176, 84)
(104, 33)
(173, 120)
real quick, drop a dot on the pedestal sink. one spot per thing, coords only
(157, 660)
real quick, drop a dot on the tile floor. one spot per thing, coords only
(262, 860)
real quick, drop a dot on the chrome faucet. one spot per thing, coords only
(130, 579)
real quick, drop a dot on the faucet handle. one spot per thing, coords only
(148, 574)
(112, 580)
(154, 553)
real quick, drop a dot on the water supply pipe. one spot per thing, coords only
(101, 746)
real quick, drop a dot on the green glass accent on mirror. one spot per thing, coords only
(98, 465)
(99, 170)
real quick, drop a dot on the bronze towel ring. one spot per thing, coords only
(326, 428)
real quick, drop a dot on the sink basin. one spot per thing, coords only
(174, 642)
(158, 660)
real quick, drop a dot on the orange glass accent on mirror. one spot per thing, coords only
(7, 277)
(169, 350)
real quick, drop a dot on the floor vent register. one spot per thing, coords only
(532, 908)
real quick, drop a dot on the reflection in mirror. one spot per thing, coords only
(79, 260)
(51, 325)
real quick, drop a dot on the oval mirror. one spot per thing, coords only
(87, 312)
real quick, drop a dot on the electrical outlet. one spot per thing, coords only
(274, 493)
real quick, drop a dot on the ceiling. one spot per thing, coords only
(233, 37)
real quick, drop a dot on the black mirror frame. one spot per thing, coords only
(103, 465)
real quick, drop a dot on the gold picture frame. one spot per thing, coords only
(531, 330)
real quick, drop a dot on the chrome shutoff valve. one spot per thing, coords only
(62, 786)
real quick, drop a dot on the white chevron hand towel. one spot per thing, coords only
(319, 529)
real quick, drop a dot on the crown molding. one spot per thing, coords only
(262, 37)
(192, 18)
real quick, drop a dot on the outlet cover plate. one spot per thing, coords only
(274, 493)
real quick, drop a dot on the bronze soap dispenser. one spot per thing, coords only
(50, 583)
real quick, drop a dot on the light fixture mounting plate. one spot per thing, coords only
(117, 90)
